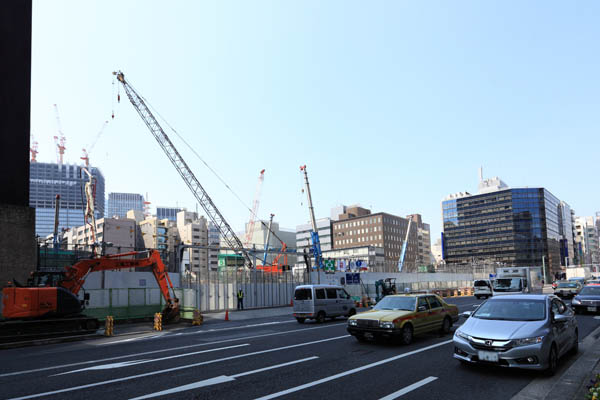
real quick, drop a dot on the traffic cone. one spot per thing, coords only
(227, 315)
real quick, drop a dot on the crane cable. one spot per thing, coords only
(201, 159)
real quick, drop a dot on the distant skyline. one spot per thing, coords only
(391, 105)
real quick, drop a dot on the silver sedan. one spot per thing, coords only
(519, 331)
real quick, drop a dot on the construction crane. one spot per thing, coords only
(268, 239)
(403, 251)
(314, 234)
(186, 173)
(88, 151)
(275, 266)
(33, 150)
(59, 141)
(254, 211)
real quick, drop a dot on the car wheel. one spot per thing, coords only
(300, 320)
(352, 312)
(406, 335)
(446, 325)
(477, 297)
(361, 338)
(575, 346)
(552, 361)
(320, 317)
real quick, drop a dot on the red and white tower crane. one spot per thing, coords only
(254, 211)
(33, 149)
(86, 153)
(59, 141)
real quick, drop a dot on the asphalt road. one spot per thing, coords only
(257, 359)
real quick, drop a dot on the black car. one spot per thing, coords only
(588, 299)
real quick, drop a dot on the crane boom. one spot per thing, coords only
(254, 211)
(403, 251)
(181, 166)
(316, 243)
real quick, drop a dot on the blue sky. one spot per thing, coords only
(391, 105)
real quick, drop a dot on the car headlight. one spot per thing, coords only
(352, 322)
(575, 301)
(462, 335)
(386, 325)
(528, 341)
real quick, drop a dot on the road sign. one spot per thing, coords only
(353, 279)
(330, 265)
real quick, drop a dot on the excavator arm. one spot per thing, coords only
(75, 275)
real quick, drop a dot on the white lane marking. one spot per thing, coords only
(153, 336)
(163, 371)
(409, 388)
(137, 362)
(597, 317)
(352, 371)
(219, 379)
(164, 350)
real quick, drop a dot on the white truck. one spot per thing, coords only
(517, 280)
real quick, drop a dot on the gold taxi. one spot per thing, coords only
(403, 316)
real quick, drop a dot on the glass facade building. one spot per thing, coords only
(517, 227)
(119, 203)
(169, 213)
(46, 180)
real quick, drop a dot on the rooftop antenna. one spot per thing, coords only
(480, 174)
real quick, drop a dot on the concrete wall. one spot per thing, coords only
(18, 251)
(125, 280)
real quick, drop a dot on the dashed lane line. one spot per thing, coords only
(219, 379)
(352, 371)
(165, 350)
(409, 388)
(167, 370)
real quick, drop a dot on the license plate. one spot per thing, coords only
(488, 356)
(592, 309)
(368, 335)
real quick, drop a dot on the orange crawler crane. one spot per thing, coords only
(50, 303)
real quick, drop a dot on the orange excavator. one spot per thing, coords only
(50, 303)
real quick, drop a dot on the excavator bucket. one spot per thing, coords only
(171, 314)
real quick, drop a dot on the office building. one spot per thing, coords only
(214, 240)
(48, 180)
(566, 222)
(169, 213)
(586, 240)
(118, 204)
(161, 234)
(114, 235)
(516, 227)
(193, 230)
(388, 232)
(365, 258)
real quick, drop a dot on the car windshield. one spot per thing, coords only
(303, 294)
(512, 310)
(396, 303)
(567, 285)
(481, 283)
(590, 291)
(507, 284)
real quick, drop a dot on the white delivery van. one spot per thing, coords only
(322, 301)
(482, 288)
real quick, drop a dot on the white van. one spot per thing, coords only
(322, 301)
(482, 288)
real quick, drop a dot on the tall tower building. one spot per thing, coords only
(119, 203)
(48, 180)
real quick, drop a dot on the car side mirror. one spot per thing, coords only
(558, 318)
(422, 308)
(465, 314)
